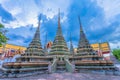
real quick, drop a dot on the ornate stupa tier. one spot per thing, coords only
(35, 47)
(59, 46)
(84, 47)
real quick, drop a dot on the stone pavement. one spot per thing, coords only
(67, 76)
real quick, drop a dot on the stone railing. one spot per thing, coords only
(70, 67)
(52, 67)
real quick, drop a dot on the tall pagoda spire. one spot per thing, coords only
(71, 46)
(35, 47)
(59, 31)
(83, 46)
(45, 45)
(59, 46)
(37, 33)
(82, 34)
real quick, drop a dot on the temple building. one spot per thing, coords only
(10, 50)
(102, 49)
(59, 59)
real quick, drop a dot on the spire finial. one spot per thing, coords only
(80, 23)
(39, 18)
(45, 38)
(79, 20)
(70, 38)
(59, 31)
(59, 12)
(58, 17)
(45, 45)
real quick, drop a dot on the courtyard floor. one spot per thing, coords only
(67, 76)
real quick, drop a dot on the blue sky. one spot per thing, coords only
(100, 20)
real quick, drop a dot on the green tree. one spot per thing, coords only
(116, 53)
(3, 38)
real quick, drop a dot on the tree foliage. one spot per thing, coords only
(3, 38)
(116, 53)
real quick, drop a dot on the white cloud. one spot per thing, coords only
(117, 32)
(110, 7)
(16, 11)
(63, 19)
(17, 42)
(3, 1)
(26, 12)
(114, 35)
(114, 45)
(50, 8)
